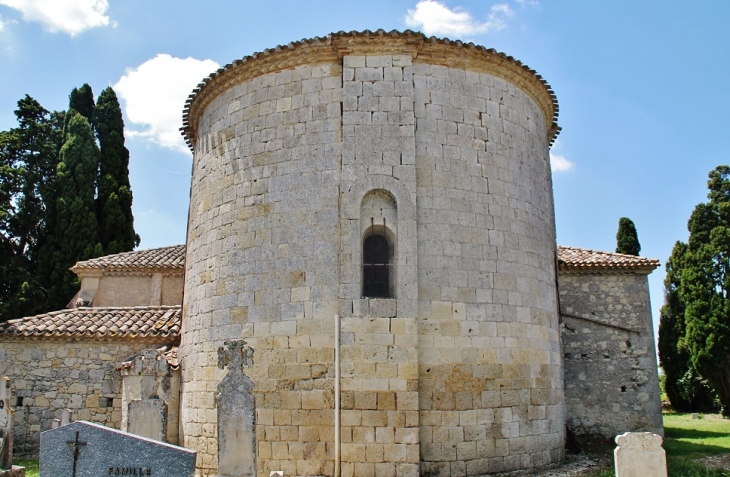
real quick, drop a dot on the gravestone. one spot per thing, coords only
(236, 412)
(149, 396)
(640, 454)
(85, 449)
(7, 469)
(148, 418)
(6, 426)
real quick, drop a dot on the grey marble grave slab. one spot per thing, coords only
(85, 449)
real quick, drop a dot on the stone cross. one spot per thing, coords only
(236, 356)
(236, 412)
(640, 454)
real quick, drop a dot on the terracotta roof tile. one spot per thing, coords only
(142, 322)
(585, 260)
(164, 258)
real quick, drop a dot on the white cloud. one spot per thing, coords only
(2, 24)
(154, 95)
(435, 18)
(68, 16)
(560, 163)
(525, 3)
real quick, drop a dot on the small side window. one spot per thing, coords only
(376, 263)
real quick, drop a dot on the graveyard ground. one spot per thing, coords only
(695, 448)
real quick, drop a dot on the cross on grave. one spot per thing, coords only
(236, 357)
(75, 444)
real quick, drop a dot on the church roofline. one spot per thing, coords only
(331, 48)
(163, 259)
(158, 324)
(586, 261)
(172, 260)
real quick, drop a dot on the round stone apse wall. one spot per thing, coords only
(402, 183)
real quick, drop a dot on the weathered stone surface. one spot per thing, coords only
(148, 418)
(104, 451)
(640, 454)
(6, 425)
(51, 376)
(150, 377)
(16, 471)
(236, 413)
(611, 380)
(460, 371)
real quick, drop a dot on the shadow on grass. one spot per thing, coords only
(679, 449)
(683, 433)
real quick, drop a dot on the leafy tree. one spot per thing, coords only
(76, 236)
(114, 203)
(704, 287)
(28, 157)
(627, 241)
(686, 390)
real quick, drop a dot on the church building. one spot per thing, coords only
(371, 248)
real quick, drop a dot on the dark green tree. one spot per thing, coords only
(114, 202)
(627, 241)
(28, 157)
(76, 230)
(81, 100)
(704, 288)
(686, 389)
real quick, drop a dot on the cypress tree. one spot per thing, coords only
(685, 388)
(81, 100)
(705, 287)
(114, 202)
(627, 241)
(76, 236)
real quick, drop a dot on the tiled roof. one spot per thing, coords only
(150, 323)
(584, 260)
(164, 258)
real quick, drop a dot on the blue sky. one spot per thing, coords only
(642, 88)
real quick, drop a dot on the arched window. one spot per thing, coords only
(376, 263)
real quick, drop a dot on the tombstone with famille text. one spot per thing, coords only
(85, 449)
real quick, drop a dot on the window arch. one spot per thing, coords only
(378, 229)
(376, 264)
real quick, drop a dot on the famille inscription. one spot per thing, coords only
(130, 471)
(86, 449)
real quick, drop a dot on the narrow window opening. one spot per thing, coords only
(376, 263)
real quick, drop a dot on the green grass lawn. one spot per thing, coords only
(687, 440)
(31, 466)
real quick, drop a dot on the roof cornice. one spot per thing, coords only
(331, 48)
(575, 260)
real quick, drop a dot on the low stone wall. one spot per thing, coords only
(50, 376)
(611, 379)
